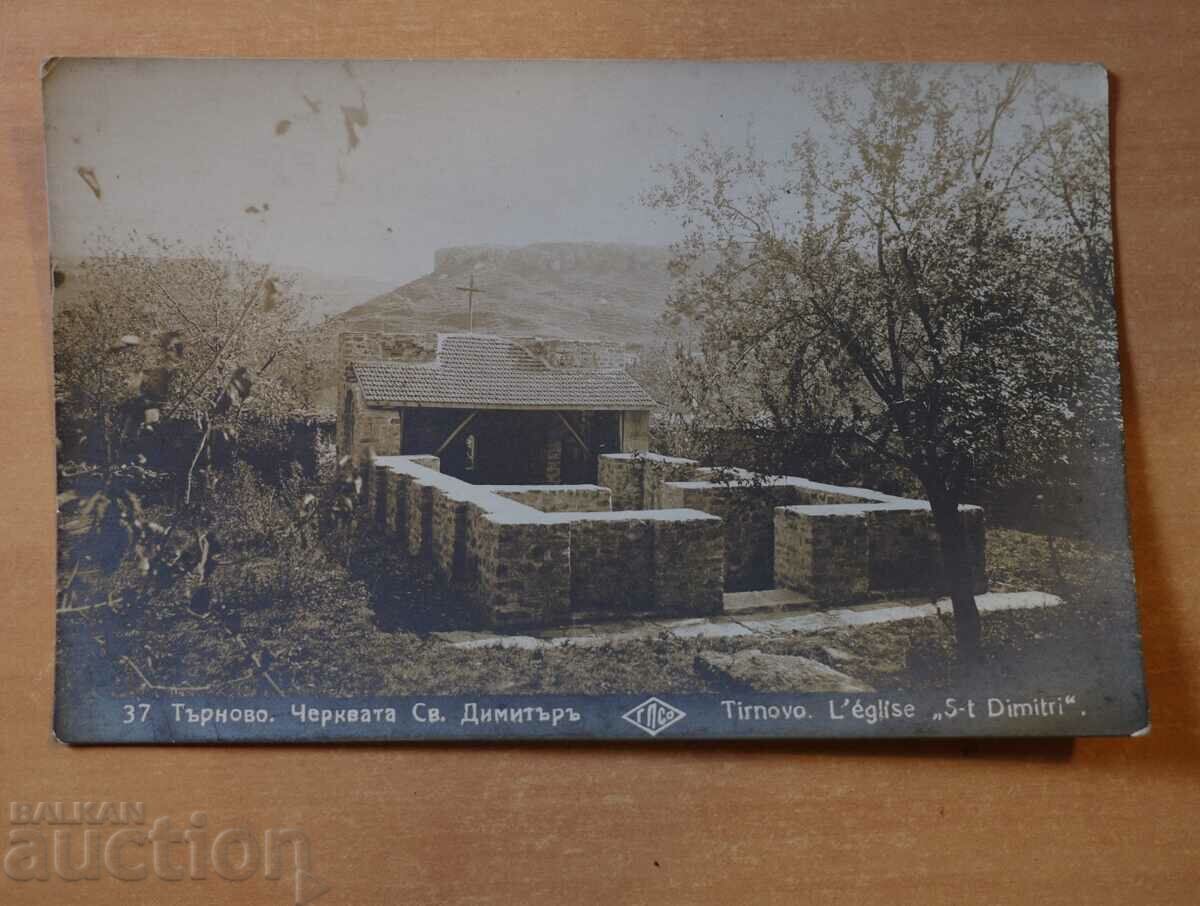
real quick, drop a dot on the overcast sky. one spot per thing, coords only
(366, 169)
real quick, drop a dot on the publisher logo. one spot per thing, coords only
(653, 716)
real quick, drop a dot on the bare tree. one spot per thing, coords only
(154, 332)
(161, 349)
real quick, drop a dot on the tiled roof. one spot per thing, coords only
(480, 371)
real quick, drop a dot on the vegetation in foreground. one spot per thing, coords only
(295, 618)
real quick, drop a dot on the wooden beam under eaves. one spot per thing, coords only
(453, 434)
(574, 433)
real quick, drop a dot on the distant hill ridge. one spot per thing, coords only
(557, 257)
(590, 290)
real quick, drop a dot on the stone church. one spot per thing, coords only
(494, 410)
(517, 471)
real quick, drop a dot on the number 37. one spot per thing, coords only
(135, 713)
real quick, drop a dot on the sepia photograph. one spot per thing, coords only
(638, 400)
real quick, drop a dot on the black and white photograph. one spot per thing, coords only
(631, 400)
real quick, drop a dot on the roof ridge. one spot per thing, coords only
(485, 370)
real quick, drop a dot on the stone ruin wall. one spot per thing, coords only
(823, 556)
(896, 543)
(559, 353)
(559, 498)
(845, 551)
(522, 574)
(375, 431)
(646, 561)
(526, 556)
(611, 566)
(377, 345)
(519, 566)
(636, 479)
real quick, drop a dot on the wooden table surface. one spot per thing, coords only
(1093, 822)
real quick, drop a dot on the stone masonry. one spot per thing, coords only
(519, 566)
(904, 552)
(842, 551)
(659, 536)
(636, 479)
(822, 551)
(559, 498)
(748, 508)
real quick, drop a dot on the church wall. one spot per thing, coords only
(822, 551)
(635, 432)
(612, 566)
(636, 479)
(520, 565)
(562, 498)
(748, 507)
(749, 518)
(688, 572)
(524, 578)
(368, 430)
(844, 551)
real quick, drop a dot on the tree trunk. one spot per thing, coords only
(960, 577)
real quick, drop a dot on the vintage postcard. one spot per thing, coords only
(560, 400)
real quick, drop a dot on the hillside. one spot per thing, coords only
(593, 291)
(596, 291)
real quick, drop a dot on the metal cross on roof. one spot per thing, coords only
(470, 290)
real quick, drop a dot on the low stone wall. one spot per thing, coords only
(747, 506)
(374, 480)
(521, 571)
(393, 512)
(658, 471)
(745, 502)
(517, 566)
(622, 475)
(905, 554)
(534, 556)
(835, 552)
(418, 519)
(612, 565)
(636, 479)
(689, 565)
(387, 492)
(410, 508)
(646, 562)
(822, 551)
(558, 498)
(448, 533)
(906, 550)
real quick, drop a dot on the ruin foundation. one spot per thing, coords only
(656, 536)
